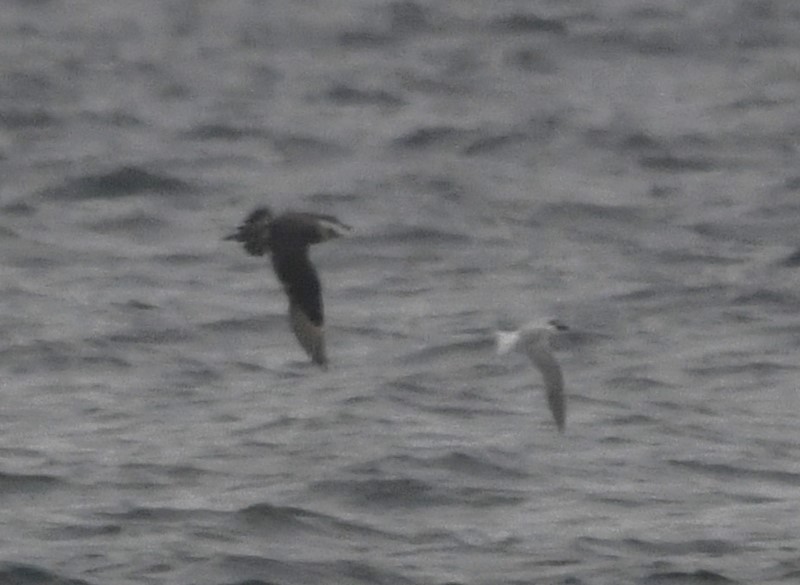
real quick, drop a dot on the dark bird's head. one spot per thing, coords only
(557, 325)
(295, 231)
(328, 228)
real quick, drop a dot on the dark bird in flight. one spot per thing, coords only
(286, 238)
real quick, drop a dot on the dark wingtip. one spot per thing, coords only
(253, 232)
(308, 333)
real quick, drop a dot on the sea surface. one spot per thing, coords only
(631, 167)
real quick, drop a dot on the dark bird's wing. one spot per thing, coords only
(302, 286)
(254, 232)
(553, 382)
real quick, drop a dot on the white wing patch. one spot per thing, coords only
(506, 341)
(310, 336)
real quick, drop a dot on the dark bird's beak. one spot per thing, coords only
(333, 229)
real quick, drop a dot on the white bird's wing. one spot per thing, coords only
(553, 382)
(506, 341)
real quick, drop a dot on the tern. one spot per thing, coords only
(534, 340)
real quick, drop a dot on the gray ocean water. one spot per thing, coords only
(628, 166)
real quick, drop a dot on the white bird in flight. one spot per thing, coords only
(534, 340)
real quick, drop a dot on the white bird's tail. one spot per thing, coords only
(506, 341)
